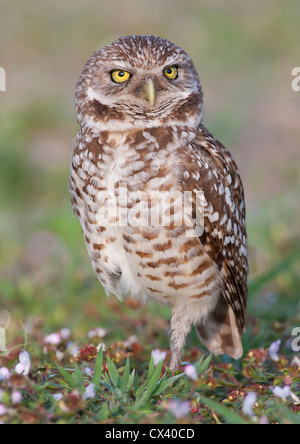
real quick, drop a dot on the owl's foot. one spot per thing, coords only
(180, 328)
(175, 361)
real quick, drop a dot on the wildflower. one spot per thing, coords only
(65, 333)
(274, 349)
(295, 399)
(282, 393)
(179, 409)
(101, 345)
(248, 404)
(158, 356)
(59, 355)
(130, 341)
(264, 420)
(16, 397)
(295, 362)
(23, 367)
(236, 395)
(57, 396)
(89, 392)
(191, 372)
(88, 353)
(98, 332)
(53, 339)
(73, 350)
(88, 371)
(3, 410)
(4, 374)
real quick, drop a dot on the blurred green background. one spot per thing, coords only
(244, 53)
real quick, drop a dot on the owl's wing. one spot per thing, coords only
(213, 171)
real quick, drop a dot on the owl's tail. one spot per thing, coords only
(220, 333)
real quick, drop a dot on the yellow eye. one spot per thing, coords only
(120, 76)
(171, 73)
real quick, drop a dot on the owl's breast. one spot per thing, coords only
(130, 205)
(126, 193)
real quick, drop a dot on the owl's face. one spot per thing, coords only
(138, 81)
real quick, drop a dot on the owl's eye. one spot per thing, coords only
(120, 76)
(171, 73)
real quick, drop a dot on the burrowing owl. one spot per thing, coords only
(159, 199)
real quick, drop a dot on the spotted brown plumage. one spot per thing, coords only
(179, 234)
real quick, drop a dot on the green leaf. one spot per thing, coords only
(151, 366)
(98, 369)
(113, 373)
(152, 385)
(78, 379)
(69, 378)
(201, 366)
(140, 390)
(104, 413)
(140, 401)
(229, 416)
(287, 415)
(126, 374)
(162, 385)
(136, 384)
(131, 379)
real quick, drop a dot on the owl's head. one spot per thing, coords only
(138, 82)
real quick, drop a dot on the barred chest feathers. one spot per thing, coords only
(138, 172)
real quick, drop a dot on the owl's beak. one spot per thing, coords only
(150, 91)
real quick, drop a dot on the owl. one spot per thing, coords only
(159, 199)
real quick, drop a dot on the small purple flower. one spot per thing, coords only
(65, 333)
(98, 332)
(73, 349)
(89, 392)
(3, 410)
(274, 349)
(296, 362)
(23, 367)
(248, 404)
(158, 356)
(180, 409)
(191, 372)
(4, 374)
(282, 393)
(53, 339)
(88, 371)
(264, 420)
(58, 396)
(16, 397)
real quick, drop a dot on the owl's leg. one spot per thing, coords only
(180, 328)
